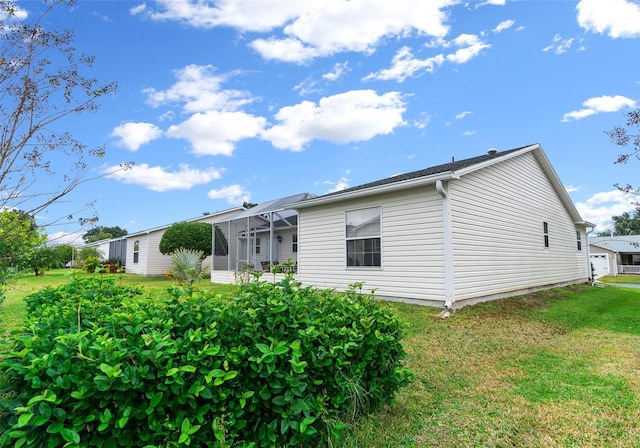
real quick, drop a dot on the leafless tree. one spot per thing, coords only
(42, 84)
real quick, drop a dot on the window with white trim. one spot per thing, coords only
(294, 244)
(579, 238)
(363, 237)
(136, 251)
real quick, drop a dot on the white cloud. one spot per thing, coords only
(198, 89)
(306, 87)
(353, 116)
(313, 29)
(138, 9)
(463, 114)
(216, 133)
(258, 16)
(600, 104)
(339, 69)
(601, 207)
(285, 50)
(491, 2)
(405, 65)
(559, 45)
(233, 194)
(617, 18)
(469, 45)
(159, 178)
(504, 25)
(341, 184)
(133, 135)
(469, 133)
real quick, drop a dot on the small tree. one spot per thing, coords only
(19, 238)
(45, 258)
(98, 233)
(193, 235)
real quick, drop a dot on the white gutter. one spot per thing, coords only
(449, 286)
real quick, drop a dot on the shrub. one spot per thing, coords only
(275, 365)
(193, 235)
(91, 264)
(186, 265)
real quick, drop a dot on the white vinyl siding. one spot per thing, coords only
(151, 261)
(412, 246)
(498, 243)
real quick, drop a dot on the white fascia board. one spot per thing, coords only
(394, 186)
(497, 159)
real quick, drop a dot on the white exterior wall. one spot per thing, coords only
(285, 248)
(151, 261)
(140, 267)
(497, 232)
(412, 246)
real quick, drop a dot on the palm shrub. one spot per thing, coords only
(186, 265)
(272, 365)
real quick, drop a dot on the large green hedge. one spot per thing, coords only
(274, 365)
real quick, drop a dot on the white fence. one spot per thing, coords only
(628, 269)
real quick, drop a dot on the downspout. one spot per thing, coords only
(449, 290)
(589, 270)
(271, 229)
(229, 245)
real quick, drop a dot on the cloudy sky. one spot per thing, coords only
(224, 101)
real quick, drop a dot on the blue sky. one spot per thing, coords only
(220, 102)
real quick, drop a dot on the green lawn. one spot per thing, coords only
(557, 368)
(630, 279)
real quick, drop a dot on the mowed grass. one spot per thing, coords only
(558, 368)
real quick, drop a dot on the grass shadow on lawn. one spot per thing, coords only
(553, 368)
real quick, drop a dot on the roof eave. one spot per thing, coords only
(410, 183)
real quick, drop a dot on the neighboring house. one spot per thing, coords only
(473, 230)
(259, 236)
(622, 253)
(141, 249)
(102, 246)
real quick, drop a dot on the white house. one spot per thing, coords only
(473, 230)
(142, 251)
(613, 255)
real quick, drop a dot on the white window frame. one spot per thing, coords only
(368, 234)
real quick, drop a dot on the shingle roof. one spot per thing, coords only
(444, 168)
(618, 243)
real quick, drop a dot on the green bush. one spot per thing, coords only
(193, 235)
(275, 365)
(91, 263)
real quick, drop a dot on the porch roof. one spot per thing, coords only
(273, 206)
(628, 244)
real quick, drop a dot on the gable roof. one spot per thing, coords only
(450, 171)
(618, 243)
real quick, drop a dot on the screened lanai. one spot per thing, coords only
(258, 237)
